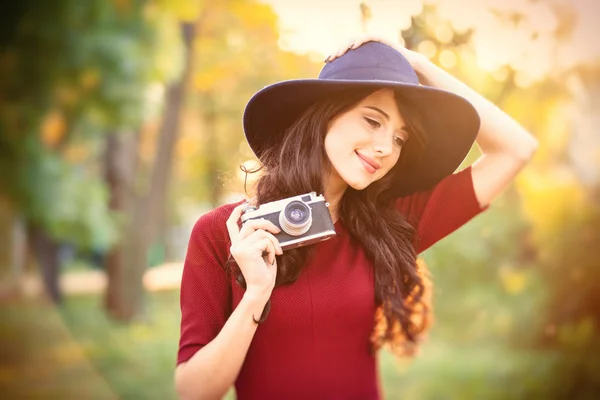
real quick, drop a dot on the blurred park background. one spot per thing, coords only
(120, 124)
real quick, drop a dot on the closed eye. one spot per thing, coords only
(374, 124)
(399, 141)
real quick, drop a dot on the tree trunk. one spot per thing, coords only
(47, 252)
(584, 145)
(13, 250)
(120, 159)
(127, 292)
(211, 154)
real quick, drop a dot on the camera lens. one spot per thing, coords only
(296, 215)
(297, 212)
(296, 218)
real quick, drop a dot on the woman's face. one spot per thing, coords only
(364, 143)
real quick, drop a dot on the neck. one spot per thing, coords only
(334, 191)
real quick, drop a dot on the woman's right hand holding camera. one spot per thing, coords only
(254, 248)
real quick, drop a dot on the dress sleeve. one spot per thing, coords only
(205, 296)
(441, 210)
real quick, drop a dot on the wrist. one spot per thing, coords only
(428, 73)
(258, 296)
(422, 65)
(258, 305)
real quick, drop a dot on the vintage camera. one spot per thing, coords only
(303, 219)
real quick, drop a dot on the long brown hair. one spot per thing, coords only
(296, 164)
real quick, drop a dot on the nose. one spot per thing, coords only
(383, 144)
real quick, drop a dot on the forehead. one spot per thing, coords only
(385, 100)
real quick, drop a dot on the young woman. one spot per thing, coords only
(382, 149)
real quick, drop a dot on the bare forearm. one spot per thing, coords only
(210, 372)
(499, 133)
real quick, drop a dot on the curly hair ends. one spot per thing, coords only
(297, 163)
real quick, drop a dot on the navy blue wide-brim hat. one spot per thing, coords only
(450, 122)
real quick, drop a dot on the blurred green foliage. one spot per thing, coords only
(71, 206)
(73, 72)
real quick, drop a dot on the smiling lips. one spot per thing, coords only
(370, 165)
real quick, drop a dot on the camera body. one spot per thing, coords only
(303, 219)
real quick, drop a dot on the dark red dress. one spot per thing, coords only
(315, 342)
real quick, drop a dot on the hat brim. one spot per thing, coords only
(450, 122)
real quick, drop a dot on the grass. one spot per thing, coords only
(77, 352)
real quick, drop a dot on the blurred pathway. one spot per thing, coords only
(40, 359)
(162, 277)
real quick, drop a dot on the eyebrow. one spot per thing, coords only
(387, 117)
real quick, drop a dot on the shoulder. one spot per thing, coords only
(210, 228)
(441, 210)
(455, 189)
(216, 218)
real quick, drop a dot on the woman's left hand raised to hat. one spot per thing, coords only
(414, 58)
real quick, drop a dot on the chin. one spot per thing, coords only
(358, 185)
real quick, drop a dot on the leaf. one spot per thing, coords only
(365, 12)
(184, 10)
(54, 126)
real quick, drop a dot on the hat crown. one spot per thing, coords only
(371, 61)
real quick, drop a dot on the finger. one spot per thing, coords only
(357, 43)
(255, 224)
(268, 250)
(232, 223)
(252, 200)
(272, 267)
(371, 38)
(362, 40)
(341, 52)
(271, 251)
(260, 234)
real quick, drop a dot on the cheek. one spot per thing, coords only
(335, 154)
(348, 132)
(338, 143)
(389, 165)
